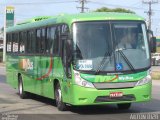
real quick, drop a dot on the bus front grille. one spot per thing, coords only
(114, 85)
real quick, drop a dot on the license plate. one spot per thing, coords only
(116, 94)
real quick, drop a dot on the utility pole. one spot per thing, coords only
(82, 2)
(149, 12)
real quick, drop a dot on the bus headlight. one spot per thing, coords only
(144, 81)
(81, 82)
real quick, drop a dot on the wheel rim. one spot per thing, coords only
(20, 88)
(58, 96)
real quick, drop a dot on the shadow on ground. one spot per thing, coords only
(103, 109)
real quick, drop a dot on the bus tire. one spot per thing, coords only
(21, 91)
(58, 97)
(124, 106)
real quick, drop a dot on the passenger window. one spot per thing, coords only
(15, 42)
(56, 41)
(38, 39)
(50, 39)
(9, 43)
(31, 41)
(21, 43)
(42, 41)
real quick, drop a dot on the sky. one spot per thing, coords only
(25, 9)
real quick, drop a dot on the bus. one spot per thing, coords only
(81, 59)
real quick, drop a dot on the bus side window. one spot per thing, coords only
(9, 43)
(38, 38)
(28, 45)
(42, 41)
(56, 45)
(12, 45)
(21, 43)
(50, 39)
(31, 41)
(25, 40)
(15, 42)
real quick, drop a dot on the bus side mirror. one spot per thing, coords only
(153, 44)
(152, 41)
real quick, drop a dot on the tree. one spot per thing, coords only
(121, 10)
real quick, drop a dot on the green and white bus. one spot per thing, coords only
(81, 59)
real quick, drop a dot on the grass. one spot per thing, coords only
(1, 53)
(158, 49)
(155, 75)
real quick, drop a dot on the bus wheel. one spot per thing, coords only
(58, 96)
(22, 94)
(124, 106)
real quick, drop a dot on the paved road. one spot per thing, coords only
(39, 108)
(155, 68)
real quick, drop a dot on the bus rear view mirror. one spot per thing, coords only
(152, 41)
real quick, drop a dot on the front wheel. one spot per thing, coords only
(124, 106)
(58, 96)
(21, 91)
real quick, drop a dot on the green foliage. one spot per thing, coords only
(121, 10)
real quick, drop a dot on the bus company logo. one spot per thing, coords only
(26, 64)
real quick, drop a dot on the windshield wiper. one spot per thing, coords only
(126, 59)
(102, 62)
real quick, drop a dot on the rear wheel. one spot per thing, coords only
(124, 106)
(21, 92)
(58, 96)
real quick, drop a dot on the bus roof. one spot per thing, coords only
(70, 18)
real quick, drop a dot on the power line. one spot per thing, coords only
(135, 4)
(104, 4)
(82, 2)
(130, 7)
(150, 11)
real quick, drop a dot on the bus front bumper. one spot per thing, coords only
(91, 96)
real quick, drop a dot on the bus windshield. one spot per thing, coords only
(111, 46)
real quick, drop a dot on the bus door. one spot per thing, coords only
(42, 60)
(45, 59)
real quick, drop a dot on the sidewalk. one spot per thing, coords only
(156, 82)
(2, 64)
